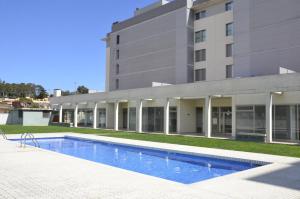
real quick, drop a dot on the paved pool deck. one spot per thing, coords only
(37, 173)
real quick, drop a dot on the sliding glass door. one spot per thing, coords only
(153, 119)
(286, 122)
(102, 118)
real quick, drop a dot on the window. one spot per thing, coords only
(229, 6)
(118, 54)
(20, 114)
(200, 15)
(117, 84)
(229, 29)
(229, 71)
(200, 55)
(118, 39)
(251, 119)
(153, 119)
(46, 114)
(132, 118)
(200, 36)
(228, 50)
(102, 118)
(286, 122)
(200, 74)
(117, 69)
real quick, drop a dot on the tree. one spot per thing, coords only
(65, 93)
(43, 94)
(82, 90)
(40, 92)
(14, 90)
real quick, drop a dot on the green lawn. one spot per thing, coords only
(275, 149)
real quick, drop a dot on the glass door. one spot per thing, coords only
(102, 118)
(173, 119)
(125, 117)
(132, 119)
(221, 121)
(199, 120)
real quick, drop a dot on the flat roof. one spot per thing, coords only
(174, 5)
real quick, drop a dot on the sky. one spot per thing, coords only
(57, 43)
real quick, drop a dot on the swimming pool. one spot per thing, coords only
(176, 167)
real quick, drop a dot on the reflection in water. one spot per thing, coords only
(94, 151)
(176, 167)
(116, 154)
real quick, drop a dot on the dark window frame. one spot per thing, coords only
(200, 75)
(229, 29)
(229, 74)
(117, 69)
(200, 15)
(229, 6)
(200, 55)
(117, 84)
(117, 54)
(229, 50)
(118, 39)
(202, 36)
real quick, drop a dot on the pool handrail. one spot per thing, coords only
(30, 136)
(3, 134)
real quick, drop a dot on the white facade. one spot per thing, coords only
(221, 104)
(218, 117)
(214, 24)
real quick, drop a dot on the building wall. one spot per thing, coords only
(157, 45)
(35, 118)
(216, 40)
(154, 50)
(107, 68)
(14, 117)
(3, 118)
(266, 36)
(287, 98)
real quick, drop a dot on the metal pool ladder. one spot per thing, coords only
(29, 136)
(3, 134)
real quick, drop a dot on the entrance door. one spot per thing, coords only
(173, 119)
(125, 118)
(102, 118)
(199, 120)
(226, 115)
(221, 121)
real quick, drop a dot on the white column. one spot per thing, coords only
(139, 116)
(233, 114)
(95, 116)
(60, 113)
(178, 102)
(75, 115)
(116, 116)
(207, 117)
(269, 118)
(166, 116)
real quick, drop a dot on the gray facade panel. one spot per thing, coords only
(149, 15)
(152, 51)
(266, 36)
(148, 62)
(142, 80)
(150, 45)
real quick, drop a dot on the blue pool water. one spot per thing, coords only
(176, 167)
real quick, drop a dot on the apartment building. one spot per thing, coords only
(214, 68)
